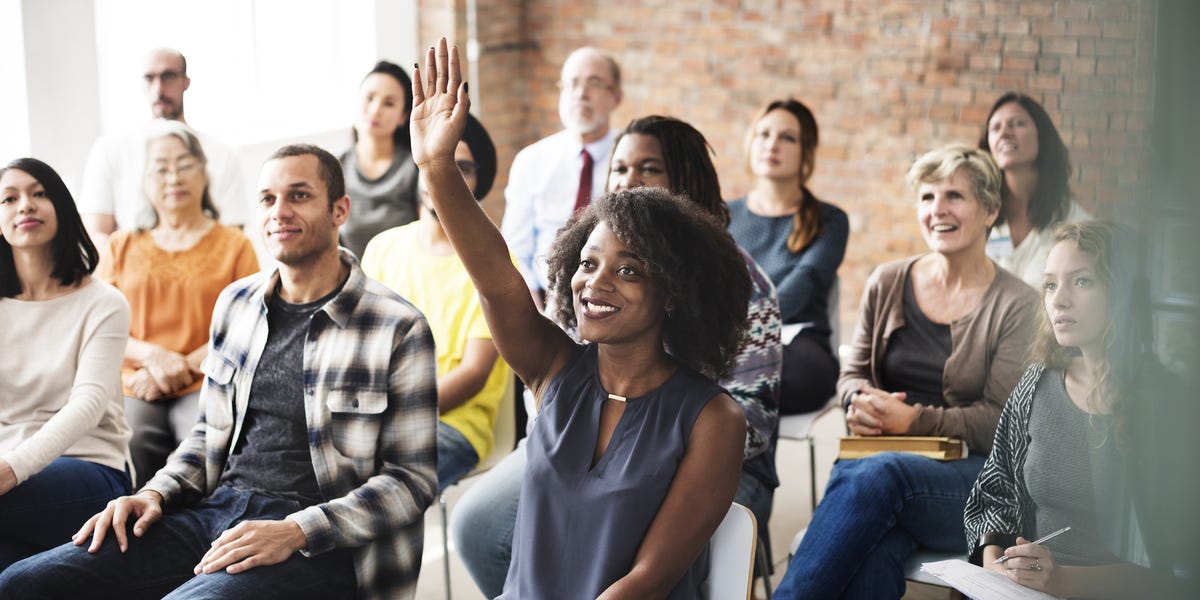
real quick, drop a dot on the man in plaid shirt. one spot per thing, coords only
(314, 458)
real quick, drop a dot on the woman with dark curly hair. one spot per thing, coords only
(1083, 440)
(63, 435)
(667, 153)
(799, 240)
(635, 455)
(381, 177)
(1036, 166)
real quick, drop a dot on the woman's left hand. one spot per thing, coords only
(1032, 566)
(440, 106)
(8, 479)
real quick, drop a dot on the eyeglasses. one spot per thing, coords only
(591, 84)
(180, 171)
(167, 76)
(467, 168)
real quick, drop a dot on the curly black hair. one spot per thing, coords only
(688, 254)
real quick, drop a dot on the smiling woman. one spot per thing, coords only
(171, 271)
(62, 428)
(939, 344)
(629, 430)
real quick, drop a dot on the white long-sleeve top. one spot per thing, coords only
(60, 379)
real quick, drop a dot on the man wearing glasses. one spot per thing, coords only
(112, 197)
(560, 174)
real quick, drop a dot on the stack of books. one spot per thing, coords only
(939, 448)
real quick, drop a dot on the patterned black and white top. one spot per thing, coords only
(1160, 482)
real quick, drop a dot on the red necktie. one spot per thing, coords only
(584, 195)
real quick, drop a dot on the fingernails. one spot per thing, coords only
(466, 87)
(416, 66)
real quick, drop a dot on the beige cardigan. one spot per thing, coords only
(987, 355)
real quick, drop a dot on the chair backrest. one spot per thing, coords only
(731, 570)
(504, 432)
(834, 314)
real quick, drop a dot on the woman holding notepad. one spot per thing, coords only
(1088, 440)
(940, 342)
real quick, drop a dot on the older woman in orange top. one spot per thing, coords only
(171, 270)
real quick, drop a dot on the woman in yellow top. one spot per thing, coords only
(416, 261)
(171, 270)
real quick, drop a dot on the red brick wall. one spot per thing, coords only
(887, 79)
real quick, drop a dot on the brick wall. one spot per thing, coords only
(887, 79)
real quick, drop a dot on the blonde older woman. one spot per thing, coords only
(171, 271)
(938, 347)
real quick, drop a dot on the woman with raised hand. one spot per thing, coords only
(1036, 166)
(634, 457)
(667, 153)
(62, 332)
(381, 177)
(799, 240)
(1091, 439)
(171, 270)
(940, 341)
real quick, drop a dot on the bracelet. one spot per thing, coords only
(991, 538)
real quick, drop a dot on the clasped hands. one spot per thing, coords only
(242, 547)
(161, 373)
(873, 411)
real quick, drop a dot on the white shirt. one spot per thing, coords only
(113, 180)
(1028, 259)
(542, 186)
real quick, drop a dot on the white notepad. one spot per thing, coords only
(981, 584)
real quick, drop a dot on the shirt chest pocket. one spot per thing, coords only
(357, 416)
(219, 374)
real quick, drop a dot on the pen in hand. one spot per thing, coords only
(1041, 540)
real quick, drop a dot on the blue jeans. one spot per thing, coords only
(456, 456)
(159, 564)
(49, 507)
(483, 520)
(875, 513)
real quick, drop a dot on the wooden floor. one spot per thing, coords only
(791, 513)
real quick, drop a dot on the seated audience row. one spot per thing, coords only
(307, 461)
(309, 469)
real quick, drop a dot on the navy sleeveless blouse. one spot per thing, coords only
(579, 527)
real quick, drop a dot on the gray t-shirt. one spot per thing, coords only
(377, 205)
(1067, 447)
(272, 456)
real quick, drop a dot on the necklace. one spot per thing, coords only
(617, 398)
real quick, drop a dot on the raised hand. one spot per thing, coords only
(440, 106)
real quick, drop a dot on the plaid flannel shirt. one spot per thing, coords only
(371, 409)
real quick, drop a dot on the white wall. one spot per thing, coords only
(14, 126)
(264, 72)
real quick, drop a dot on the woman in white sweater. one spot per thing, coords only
(63, 437)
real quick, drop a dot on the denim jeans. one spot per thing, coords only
(159, 564)
(49, 507)
(483, 520)
(456, 456)
(875, 513)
